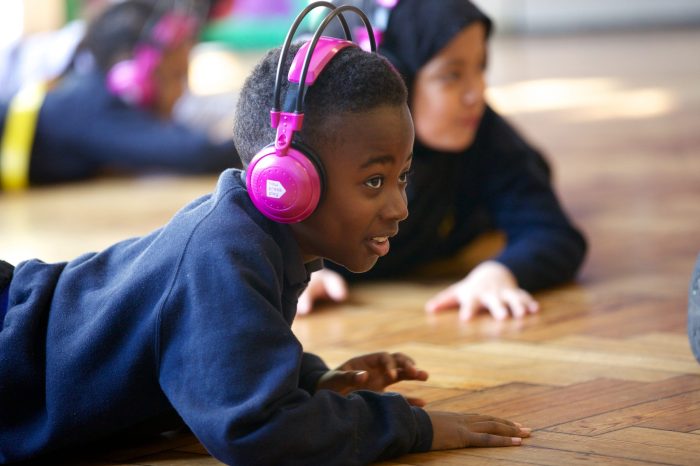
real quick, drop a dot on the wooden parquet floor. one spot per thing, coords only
(604, 373)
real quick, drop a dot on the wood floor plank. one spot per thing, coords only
(684, 419)
(663, 347)
(679, 406)
(623, 447)
(595, 356)
(687, 442)
(548, 457)
(554, 406)
(452, 458)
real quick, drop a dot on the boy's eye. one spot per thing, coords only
(403, 177)
(375, 182)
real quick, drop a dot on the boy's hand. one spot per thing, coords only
(456, 430)
(324, 284)
(374, 372)
(489, 286)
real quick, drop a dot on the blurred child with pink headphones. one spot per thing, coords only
(111, 111)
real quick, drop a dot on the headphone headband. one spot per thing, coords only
(317, 35)
(288, 41)
(292, 122)
(285, 180)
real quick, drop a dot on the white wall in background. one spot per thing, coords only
(543, 16)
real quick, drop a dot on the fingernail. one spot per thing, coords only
(525, 430)
(516, 440)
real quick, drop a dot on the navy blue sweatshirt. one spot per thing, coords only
(84, 131)
(500, 182)
(193, 318)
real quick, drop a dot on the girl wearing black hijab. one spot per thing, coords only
(472, 171)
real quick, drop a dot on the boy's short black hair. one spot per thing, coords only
(353, 81)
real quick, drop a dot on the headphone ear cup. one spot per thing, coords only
(286, 188)
(132, 80)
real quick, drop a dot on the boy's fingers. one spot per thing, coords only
(420, 402)
(359, 377)
(415, 374)
(403, 359)
(485, 417)
(497, 428)
(475, 439)
(407, 369)
(339, 379)
(389, 364)
(406, 364)
(347, 381)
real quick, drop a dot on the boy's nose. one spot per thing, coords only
(397, 206)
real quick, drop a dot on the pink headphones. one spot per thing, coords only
(286, 179)
(132, 79)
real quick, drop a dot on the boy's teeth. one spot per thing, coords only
(380, 239)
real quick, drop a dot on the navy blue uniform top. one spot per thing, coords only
(193, 317)
(83, 131)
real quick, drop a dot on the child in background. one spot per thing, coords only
(195, 318)
(473, 171)
(111, 111)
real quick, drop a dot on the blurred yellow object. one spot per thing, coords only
(18, 136)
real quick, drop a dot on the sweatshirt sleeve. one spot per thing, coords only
(82, 123)
(129, 139)
(312, 368)
(543, 248)
(231, 367)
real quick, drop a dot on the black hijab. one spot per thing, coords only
(416, 30)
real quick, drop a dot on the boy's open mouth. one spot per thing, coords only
(379, 245)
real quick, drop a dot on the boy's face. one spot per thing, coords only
(448, 95)
(366, 167)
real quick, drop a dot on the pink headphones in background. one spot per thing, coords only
(132, 80)
(379, 11)
(286, 179)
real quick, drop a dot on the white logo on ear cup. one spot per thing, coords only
(274, 189)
